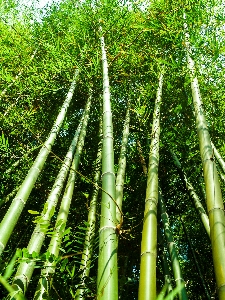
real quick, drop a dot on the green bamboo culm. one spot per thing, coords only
(204, 284)
(107, 278)
(214, 201)
(197, 203)
(9, 288)
(25, 269)
(222, 175)
(218, 157)
(172, 250)
(165, 266)
(44, 284)
(11, 217)
(147, 282)
(122, 166)
(90, 232)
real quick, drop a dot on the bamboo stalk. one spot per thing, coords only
(200, 209)
(165, 266)
(218, 157)
(25, 269)
(107, 278)
(147, 282)
(122, 167)
(207, 294)
(142, 159)
(47, 272)
(172, 251)
(214, 202)
(222, 175)
(90, 233)
(10, 219)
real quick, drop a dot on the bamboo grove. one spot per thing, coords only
(112, 150)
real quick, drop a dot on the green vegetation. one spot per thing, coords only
(135, 90)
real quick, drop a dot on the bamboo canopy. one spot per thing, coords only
(87, 233)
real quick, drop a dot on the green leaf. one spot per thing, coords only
(33, 212)
(10, 267)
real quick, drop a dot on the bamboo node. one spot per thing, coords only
(179, 279)
(37, 232)
(107, 227)
(108, 136)
(171, 244)
(152, 163)
(151, 200)
(164, 213)
(20, 199)
(209, 211)
(36, 169)
(222, 285)
(149, 252)
(207, 159)
(53, 201)
(68, 198)
(22, 278)
(107, 173)
(106, 112)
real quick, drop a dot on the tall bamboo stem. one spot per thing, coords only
(10, 219)
(165, 266)
(197, 203)
(222, 175)
(107, 279)
(122, 166)
(218, 157)
(25, 269)
(214, 201)
(172, 250)
(207, 294)
(147, 282)
(47, 272)
(142, 159)
(90, 233)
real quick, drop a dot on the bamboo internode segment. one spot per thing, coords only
(213, 191)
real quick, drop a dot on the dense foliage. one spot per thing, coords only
(40, 50)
